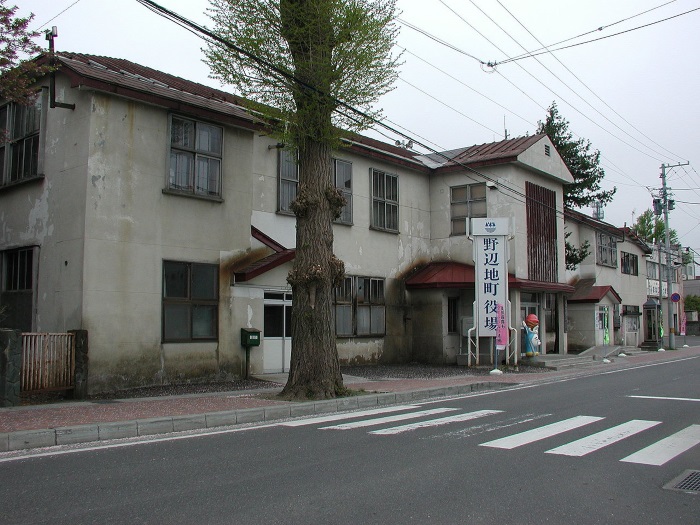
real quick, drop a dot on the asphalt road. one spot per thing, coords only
(577, 451)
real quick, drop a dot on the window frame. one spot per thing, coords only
(453, 315)
(12, 139)
(364, 299)
(606, 250)
(629, 263)
(175, 302)
(382, 204)
(18, 280)
(346, 212)
(195, 154)
(469, 201)
(284, 159)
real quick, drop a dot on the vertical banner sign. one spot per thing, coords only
(501, 329)
(491, 272)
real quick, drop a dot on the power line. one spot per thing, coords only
(533, 54)
(586, 85)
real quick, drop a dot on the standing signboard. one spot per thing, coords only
(490, 241)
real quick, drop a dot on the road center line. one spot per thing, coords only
(667, 398)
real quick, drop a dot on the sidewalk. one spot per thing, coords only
(66, 423)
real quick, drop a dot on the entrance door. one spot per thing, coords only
(277, 332)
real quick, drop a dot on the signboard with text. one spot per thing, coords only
(490, 238)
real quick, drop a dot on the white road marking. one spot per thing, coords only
(346, 415)
(435, 422)
(668, 448)
(667, 398)
(388, 419)
(594, 442)
(537, 434)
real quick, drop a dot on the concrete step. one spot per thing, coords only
(560, 362)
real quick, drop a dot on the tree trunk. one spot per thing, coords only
(314, 370)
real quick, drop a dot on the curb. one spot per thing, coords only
(29, 439)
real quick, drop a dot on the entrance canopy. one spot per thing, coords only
(460, 275)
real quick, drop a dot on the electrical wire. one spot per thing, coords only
(673, 155)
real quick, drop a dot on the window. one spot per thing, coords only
(466, 202)
(452, 315)
(190, 301)
(385, 201)
(19, 143)
(195, 157)
(629, 264)
(288, 178)
(17, 285)
(359, 307)
(343, 181)
(607, 250)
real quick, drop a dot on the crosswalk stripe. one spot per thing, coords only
(594, 442)
(388, 419)
(347, 415)
(435, 422)
(666, 449)
(537, 434)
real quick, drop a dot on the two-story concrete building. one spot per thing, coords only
(154, 213)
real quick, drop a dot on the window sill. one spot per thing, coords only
(210, 198)
(21, 182)
(384, 230)
(285, 213)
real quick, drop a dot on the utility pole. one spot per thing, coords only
(665, 202)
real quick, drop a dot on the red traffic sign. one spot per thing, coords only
(675, 297)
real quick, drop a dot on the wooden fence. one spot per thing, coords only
(48, 362)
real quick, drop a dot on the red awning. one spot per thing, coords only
(460, 275)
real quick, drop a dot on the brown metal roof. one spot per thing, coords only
(281, 256)
(484, 154)
(126, 78)
(587, 292)
(460, 275)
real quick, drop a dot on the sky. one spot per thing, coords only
(629, 84)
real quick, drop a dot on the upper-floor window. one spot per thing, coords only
(360, 307)
(288, 177)
(342, 170)
(190, 301)
(629, 263)
(466, 202)
(452, 315)
(607, 250)
(195, 157)
(19, 141)
(385, 201)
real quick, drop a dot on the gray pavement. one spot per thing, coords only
(65, 423)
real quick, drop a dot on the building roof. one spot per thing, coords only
(459, 275)
(482, 154)
(587, 292)
(125, 78)
(280, 256)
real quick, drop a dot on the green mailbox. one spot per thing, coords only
(250, 337)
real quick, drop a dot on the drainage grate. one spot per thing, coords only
(688, 481)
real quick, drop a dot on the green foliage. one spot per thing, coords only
(309, 58)
(651, 229)
(17, 74)
(582, 161)
(692, 302)
(575, 256)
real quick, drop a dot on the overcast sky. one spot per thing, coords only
(635, 96)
